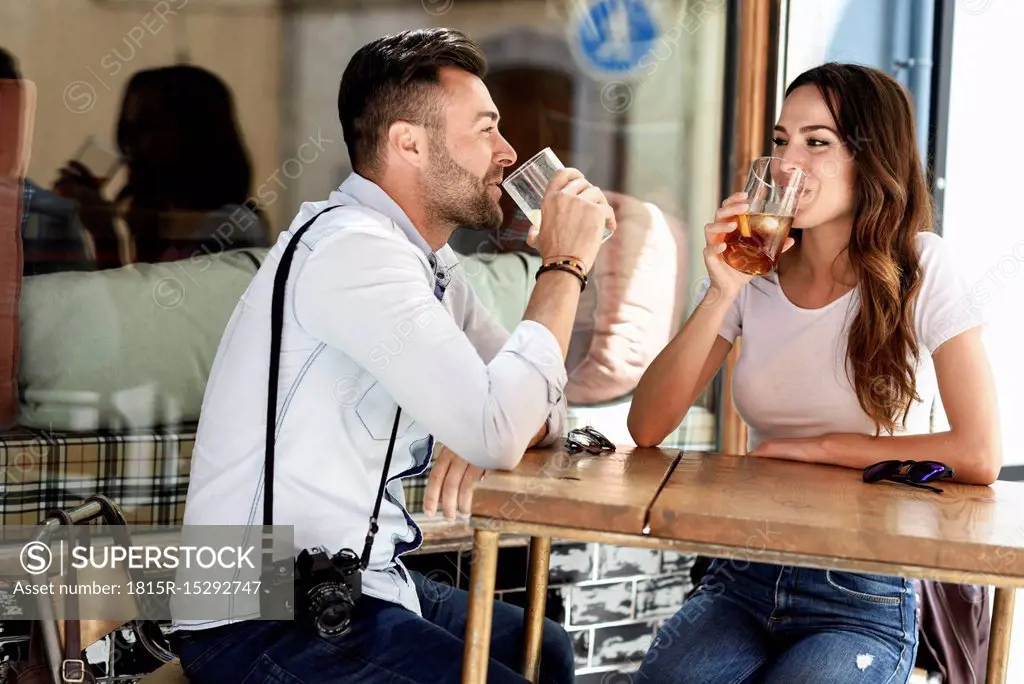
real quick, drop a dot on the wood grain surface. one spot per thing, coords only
(611, 492)
(828, 511)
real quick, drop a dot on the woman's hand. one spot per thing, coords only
(77, 182)
(451, 482)
(724, 278)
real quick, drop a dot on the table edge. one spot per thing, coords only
(745, 553)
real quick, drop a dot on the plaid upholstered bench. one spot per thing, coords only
(145, 472)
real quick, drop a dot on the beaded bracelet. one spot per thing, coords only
(568, 269)
(558, 257)
(572, 262)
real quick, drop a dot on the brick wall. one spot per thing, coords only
(617, 598)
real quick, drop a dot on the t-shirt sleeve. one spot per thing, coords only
(732, 326)
(945, 307)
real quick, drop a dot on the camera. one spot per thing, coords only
(326, 589)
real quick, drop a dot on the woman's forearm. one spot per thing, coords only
(673, 381)
(974, 460)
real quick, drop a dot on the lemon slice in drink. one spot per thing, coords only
(744, 225)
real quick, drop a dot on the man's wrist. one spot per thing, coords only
(563, 272)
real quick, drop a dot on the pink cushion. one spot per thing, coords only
(633, 304)
(17, 111)
(10, 292)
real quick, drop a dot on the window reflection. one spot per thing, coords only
(166, 130)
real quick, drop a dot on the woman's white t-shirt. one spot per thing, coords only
(791, 378)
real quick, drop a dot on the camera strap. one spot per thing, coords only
(276, 326)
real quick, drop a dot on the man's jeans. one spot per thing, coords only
(387, 643)
(751, 622)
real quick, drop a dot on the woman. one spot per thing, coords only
(844, 350)
(189, 175)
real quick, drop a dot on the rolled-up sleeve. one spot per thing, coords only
(489, 337)
(364, 293)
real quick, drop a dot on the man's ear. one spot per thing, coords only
(408, 142)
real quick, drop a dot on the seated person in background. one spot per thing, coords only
(53, 238)
(858, 330)
(189, 175)
(382, 336)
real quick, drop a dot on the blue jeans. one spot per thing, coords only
(754, 623)
(387, 643)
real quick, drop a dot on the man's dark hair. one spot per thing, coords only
(8, 66)
(394, 79)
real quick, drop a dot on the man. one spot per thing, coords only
(377, 319)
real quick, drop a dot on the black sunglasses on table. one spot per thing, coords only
(587, 439)
(914, 473)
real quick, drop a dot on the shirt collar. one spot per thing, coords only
(368, 194)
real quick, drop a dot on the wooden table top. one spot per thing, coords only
(612, 492)
(828, 511)
(737, 504)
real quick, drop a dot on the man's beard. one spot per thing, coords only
(455, 197)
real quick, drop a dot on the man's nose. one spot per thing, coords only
(504, 154)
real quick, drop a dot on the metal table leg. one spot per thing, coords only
(999, 637)
(481, 607)
(537, 592)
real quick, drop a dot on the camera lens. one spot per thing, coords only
(330, 605)
(333, 620)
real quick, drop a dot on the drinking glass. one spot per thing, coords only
(773, 190)
(101, 160)
(527, 184)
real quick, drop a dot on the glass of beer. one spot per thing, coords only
(527, 184)
(773, 191)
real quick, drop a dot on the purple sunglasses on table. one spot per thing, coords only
(913, 473)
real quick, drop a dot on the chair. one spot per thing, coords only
(51, 630)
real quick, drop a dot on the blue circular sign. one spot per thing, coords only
(614, 35)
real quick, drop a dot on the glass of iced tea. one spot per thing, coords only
(773, 191)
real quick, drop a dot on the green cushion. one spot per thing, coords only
(502, 282)
(128, 347)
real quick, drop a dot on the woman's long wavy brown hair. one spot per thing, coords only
(875, 118)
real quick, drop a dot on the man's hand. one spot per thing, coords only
(540, 436)
(452, 481)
